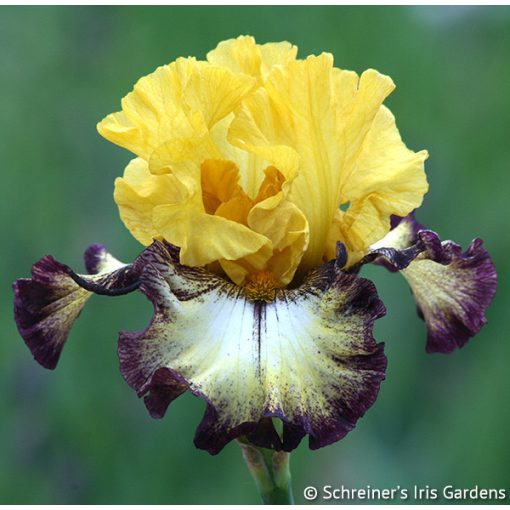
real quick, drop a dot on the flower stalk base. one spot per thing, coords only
(270, 470)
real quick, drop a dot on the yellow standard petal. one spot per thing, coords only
(347, 148)
(244, 55)
(204, 238)
(180, 100)
(138, 192)
(260, 163)
(385, 178)
(293, 120)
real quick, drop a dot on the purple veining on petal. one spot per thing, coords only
(462, 288)
(353, 404)
(150, 359)
(452, 289)
(45, 308)
(46, 305)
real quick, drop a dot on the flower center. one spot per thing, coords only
(261, 286)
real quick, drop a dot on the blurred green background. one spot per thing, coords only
(80, 434)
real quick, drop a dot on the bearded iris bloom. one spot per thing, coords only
(260, 187)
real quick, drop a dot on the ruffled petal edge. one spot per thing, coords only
(161, 362)
(452, 289)
(47, 305)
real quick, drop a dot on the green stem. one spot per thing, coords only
(270, 470)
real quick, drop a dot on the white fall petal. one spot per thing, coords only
(308, 357)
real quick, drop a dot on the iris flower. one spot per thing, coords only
(260, 187)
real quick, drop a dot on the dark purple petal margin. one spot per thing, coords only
(159, 362)
(46, 305)
(452, 289)
(460, 286)
(45, 308)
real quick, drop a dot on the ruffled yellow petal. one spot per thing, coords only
(251, 165)
(220, 182)
(295, 116)
(236, 209)
(243, 55)
(180, 100)
(271, 185)
(256, 152)
(386, 178)
(362, 220)
(387, 171)
(231, 226)
(357, 103)
(239, 270)
(215, 92)
(287, 228)
(153, 112)
(276, 54)
(138, 192)
(183, 156)
(387, 168)
(204, 238)
(221, 193)
(259, 130)
(280, 221)
(240, 55)
(347, 147)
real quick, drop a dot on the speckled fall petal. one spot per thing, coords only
(308, 358)
(46, 305)
(452, 289)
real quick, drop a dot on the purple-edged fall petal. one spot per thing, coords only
(308, 357)
(452, 289)
(46, 305)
